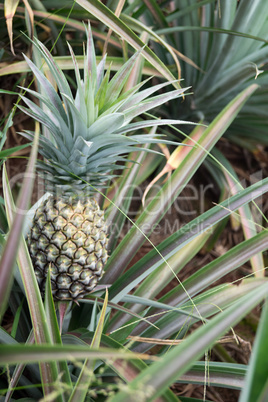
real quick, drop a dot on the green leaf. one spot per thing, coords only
(105, 15)
(13, 354)
(125, 369)
(4, 91)
(221, 374)
(207, 304)
(219, 267)
(10, 250)
(54, 331)
(3, 134)
(246, 217)
(7, 152)
(16, 244)
(210, 29)
(172, 188)
(17, 371)
(255, 387)
(123, 194)
(81, 388)
(219, 54)
(159, 278)
(156, 378)
(175, 242)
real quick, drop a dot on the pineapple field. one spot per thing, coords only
(133, 205)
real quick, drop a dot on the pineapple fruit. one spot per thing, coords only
(84, 136)
(70, 239)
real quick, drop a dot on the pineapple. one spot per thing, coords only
(70, 239)
(84, 136)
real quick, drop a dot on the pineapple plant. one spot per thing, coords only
(84, 136)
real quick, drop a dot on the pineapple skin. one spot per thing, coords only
(70, 239)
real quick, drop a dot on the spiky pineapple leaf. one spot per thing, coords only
(51, 94)
(87, 132)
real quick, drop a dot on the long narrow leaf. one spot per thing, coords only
(105, 15)
(255, 387)
(221, 374)
(55, 332)
(13, 354)
(81, 388)
(176, 241)
(156, 378)
(12, 244)
(247, 220)
(208, 303)
(216, 269)
(49, 371)
(17, 372)
(126, 369)
(172, 188)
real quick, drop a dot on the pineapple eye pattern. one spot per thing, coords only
(73, 245)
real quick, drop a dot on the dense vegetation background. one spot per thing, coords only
(181, 313)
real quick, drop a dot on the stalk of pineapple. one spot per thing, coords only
(87, 137)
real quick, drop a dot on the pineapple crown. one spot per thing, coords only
(89, 132)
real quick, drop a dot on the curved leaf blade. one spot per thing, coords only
(172, 188)
(105, 15)
(156, 378)
(257, 373)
